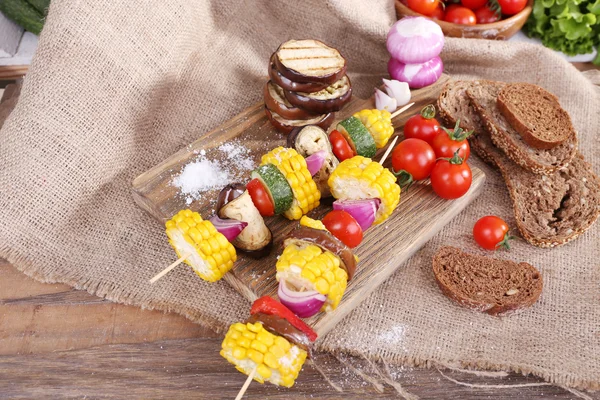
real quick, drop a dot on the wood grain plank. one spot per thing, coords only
(37, 318)
(192, 369)
(419, 216)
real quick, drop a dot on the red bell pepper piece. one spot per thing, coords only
(269, 306)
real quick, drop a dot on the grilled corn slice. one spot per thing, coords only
(210, 253)
(293, 166)
(310, 267)
(378, 123)
(361, 178)
(250, 345)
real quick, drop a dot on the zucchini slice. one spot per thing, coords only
(358, 137)
(276, 185)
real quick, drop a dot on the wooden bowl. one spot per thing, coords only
(500, 30)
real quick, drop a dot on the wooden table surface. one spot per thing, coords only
(58, 342)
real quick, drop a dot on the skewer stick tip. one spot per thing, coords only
(400, 111)
(389, 149)
(170, 267)
(246, 384)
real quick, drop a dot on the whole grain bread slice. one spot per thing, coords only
(485, 284)
(483, 95)
(549, 210)
(535, 114)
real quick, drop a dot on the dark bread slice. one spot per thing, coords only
(483, 95)
(549, 210)
(535, 114)
(485, 284)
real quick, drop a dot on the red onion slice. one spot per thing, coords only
(384, 102)
(398, 90)
(363, 211)
(230, 228)
(303, 304)
(315, 161)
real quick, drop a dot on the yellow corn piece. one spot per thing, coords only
(312, 223)
(378, 123)
(209, 253)
(276, 359)
(293, 166)
(361, 178)
(313, 268)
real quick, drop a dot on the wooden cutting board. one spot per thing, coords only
(419, 216)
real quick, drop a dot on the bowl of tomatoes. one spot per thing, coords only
(482, 19)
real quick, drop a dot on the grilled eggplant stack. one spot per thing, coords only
(308, 84)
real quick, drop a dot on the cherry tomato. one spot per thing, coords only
(486, 15)
(473, 4)
(341, 147)
(451, 179)
(438, 13)
(512, 7)
(412, 160)
(422, 126)
(460, 15)
(343, 226)
(447, 142)
(491, 233)
(261, 198)
(425, 7)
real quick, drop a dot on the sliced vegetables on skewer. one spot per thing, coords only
(293, 166)
(303, 304)
(206, 250)
(360, 178)
(378, 123)
(315, 162)
(358, 136)
(230, 228)
(277, 186)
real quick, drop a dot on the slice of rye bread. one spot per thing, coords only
(485, 284)
(483, 95)
(535, 114)
(549, 210)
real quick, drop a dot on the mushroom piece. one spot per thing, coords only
(235, 204)
(308, 140)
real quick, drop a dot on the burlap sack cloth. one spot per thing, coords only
(118, 86)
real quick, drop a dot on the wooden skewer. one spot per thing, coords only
(170, 267)
(387, 152)
(246, 384)
(400, 111)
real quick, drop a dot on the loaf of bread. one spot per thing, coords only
(549, 210)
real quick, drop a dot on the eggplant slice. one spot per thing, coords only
(333, 98)
(287, 84)
(276, 102)
(307, 61)
(286, 125)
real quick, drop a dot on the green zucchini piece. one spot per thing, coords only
(277, 186)
(40, 5)
(23, 14)
(358, 137)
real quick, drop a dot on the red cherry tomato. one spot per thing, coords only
(438, 13)
(425, 7)
(261, 198)
(422, 126)
(485, 15)
(447, 142)
(491, 233)
(460, 15)
(343, 226)
(512, 7)
(451, 179)
(412, 159)
(341, 147)
(473, 4)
